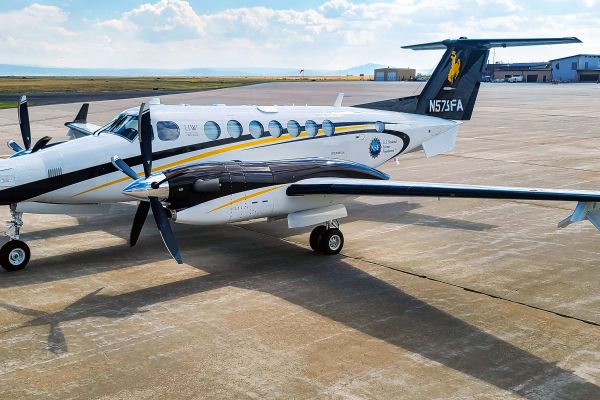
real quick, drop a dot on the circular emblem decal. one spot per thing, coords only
(375, 148)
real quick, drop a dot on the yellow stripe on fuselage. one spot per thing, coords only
(248, 196)
(237, 146)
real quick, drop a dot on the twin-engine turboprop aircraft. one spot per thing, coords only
(217, 164)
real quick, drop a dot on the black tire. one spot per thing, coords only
(14, 255)
(331, 242)
(314, 237)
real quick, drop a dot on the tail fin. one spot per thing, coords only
(452, 89)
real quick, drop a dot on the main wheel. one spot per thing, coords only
(14, 255)
(314, 237)
(331, 242)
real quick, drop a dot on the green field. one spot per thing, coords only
(7, 104)
(10, 85)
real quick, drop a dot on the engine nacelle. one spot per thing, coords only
(219, 192)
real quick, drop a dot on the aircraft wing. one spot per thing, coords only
(79, 129)
(588, 206)
(79, 126)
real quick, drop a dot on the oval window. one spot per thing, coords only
(328, 127)
(256, 129)
(212, 130)
(293, 128)
(380, 126)
(311, 128)
(234, 129)
(275, 129)
(167, 130)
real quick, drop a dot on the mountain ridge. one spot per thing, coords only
(30, 70)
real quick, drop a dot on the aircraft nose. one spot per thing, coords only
(153, 186)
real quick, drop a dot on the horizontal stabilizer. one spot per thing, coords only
(583, 211)
(490, 43)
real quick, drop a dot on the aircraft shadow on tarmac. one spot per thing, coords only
(118, 223)
(327, 286)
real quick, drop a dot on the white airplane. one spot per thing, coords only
(204, 165)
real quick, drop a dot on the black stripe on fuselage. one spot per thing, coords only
(37, 188)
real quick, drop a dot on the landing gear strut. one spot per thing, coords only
(327, 239)
(15, 254)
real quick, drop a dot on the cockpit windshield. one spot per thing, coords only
(123, 125)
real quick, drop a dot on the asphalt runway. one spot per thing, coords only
(448, 299)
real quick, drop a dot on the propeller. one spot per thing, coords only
(141, 184)
(24, 122)
(25, 127)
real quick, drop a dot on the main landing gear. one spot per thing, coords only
(15, 254)
(327, 239)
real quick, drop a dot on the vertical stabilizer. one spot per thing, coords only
(452, 89)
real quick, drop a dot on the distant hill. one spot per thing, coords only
(28, 70)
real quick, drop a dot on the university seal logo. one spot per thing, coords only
(375, 148)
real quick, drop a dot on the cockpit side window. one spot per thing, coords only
(124, 126)
(167, 130)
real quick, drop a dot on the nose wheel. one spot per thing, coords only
(327, 239)
(15, 254)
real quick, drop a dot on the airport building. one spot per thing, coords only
(530, 72)
(577, 68)
(395, 74)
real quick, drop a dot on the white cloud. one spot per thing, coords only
(508, 5)
(34, 31)
(336, 34)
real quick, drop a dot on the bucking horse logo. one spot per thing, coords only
(454, 68)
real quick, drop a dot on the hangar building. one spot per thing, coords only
(578, 68)
(531, 72)
(395, 74)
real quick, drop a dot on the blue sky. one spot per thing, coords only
(328, 34)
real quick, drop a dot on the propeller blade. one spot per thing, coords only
(123, 167)
(138, 222)
(40, 144)
(14, 146)
(24, 122)
(146, 136)
(165, 229)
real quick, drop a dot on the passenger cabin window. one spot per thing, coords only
(123, 125)
(275, 129)
(380, 126)
(256, 129)
(328, 127)
(293, 128)
(234, 129)
(167, 130)
(212, 130)
(311, 128)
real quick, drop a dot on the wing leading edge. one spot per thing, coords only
(588, 201)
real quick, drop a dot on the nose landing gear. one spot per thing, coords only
(327, 239)
(15, 254)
